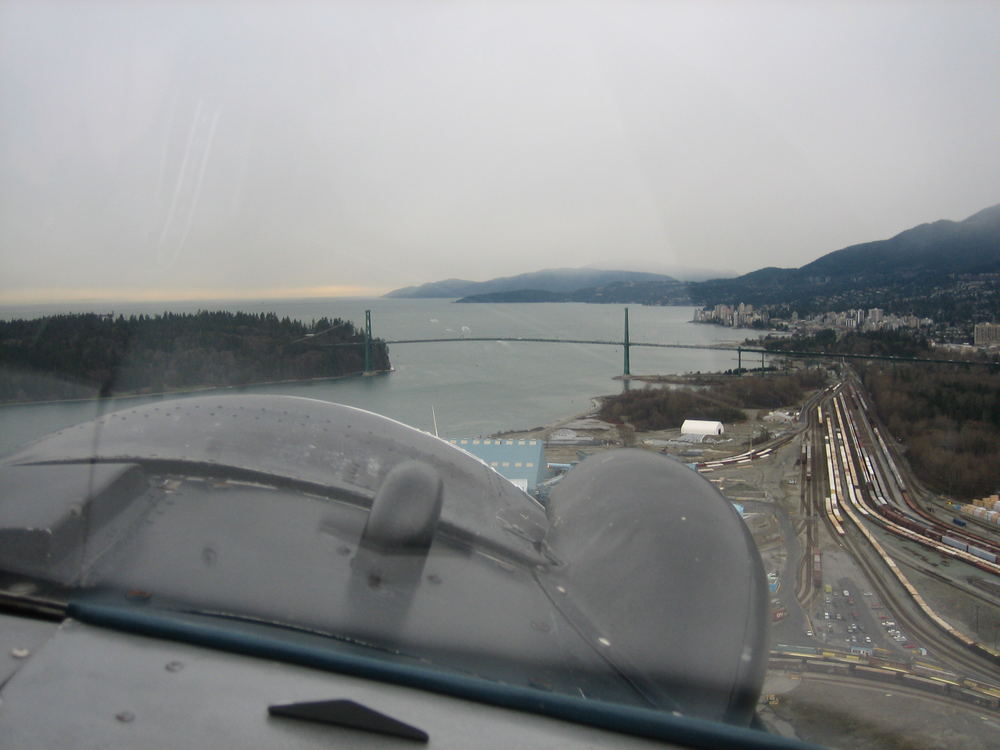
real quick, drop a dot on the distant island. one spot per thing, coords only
(86, 355)
(555, 281)
(946, 271)
(519, 295)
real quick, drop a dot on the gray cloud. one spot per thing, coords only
(248, 146)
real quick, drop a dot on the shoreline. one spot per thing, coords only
(591, 413)
(192, 390)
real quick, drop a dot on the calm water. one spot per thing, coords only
(474, 387)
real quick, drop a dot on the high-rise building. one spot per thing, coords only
(986, 334)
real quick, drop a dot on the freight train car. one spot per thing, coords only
(925, 683)
(932, 680)
(875, 673)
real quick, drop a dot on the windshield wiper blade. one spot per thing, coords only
(347, 713)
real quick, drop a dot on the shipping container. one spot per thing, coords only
(953, 542)
(984, 554)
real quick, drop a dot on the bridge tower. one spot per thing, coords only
(627, 370)
(368, 343)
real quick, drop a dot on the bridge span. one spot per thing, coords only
(626, 343)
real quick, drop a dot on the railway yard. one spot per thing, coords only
(885, 612)
(876, 589)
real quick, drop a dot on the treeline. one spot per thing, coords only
(887, 343)
(949, 419)
(948, 416)
(83, 355)
(655, 408)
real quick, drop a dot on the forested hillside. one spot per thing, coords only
(80, 356)
(946, 417)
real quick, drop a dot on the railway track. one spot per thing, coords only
(873, 559)
(861, 683)
(832, 444)
(909, 489)
(983, 597)
(909, 615)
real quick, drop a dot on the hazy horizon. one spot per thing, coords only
(232, 150)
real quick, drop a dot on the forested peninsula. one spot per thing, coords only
(87, 355)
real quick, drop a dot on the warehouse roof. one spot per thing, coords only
(701, 427)
(520, 461)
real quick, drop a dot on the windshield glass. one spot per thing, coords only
(326, 321)
(329, 520)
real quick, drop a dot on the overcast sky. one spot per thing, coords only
(197, 149)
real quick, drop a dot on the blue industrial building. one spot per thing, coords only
(520, 461)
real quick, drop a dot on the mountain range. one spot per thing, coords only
(944, 269)
(554, 280)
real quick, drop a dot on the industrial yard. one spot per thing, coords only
(883, 594)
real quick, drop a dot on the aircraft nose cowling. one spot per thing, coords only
(659, 571)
